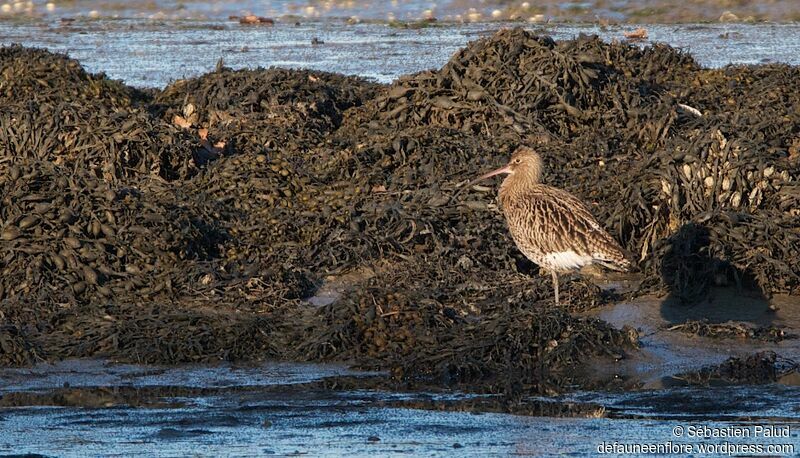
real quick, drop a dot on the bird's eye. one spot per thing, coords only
(517, 160)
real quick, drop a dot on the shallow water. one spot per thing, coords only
(152, 53)
(253, 411)
(637, 11)
(94, 407)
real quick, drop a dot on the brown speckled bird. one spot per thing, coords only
(551, 227)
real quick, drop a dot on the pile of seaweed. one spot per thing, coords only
(500, 333)
(515, 81)
(100, 253)
(71, 237)
(54, 111)
(257, 110)
(193, 223)
(689, 167)
(757, 368)
(731, 329)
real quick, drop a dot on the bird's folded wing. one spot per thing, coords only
(558, 222)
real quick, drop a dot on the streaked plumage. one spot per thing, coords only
(551, 227)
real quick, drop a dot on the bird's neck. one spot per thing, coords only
(519, 183)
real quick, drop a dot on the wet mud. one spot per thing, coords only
(730, 330)
(285, 409)
(195, 223)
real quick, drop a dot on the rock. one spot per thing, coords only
(727, 16)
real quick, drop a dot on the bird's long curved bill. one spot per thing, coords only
(500, 171)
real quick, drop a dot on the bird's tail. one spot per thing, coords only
(620, 265)
(616, 259)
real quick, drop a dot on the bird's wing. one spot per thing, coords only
(561, 223)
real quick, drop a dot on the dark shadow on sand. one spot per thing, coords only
(703, 286)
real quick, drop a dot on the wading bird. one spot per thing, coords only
(551, 227)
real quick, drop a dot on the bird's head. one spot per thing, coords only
(524, 163)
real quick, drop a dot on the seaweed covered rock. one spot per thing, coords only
(53, 110)
(519, 349)
(16, 349)
(517, 81)
(405, 205)
(41, 76)
(757, 368)
(256, 109)
(701, 203)
(190, 225)
(275, 212)
(160, 333)
(498, 332)
(752, 103)
(115, 143)
(70, 237)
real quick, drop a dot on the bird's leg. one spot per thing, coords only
(555, 284)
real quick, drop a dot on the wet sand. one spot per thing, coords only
(667, 352)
